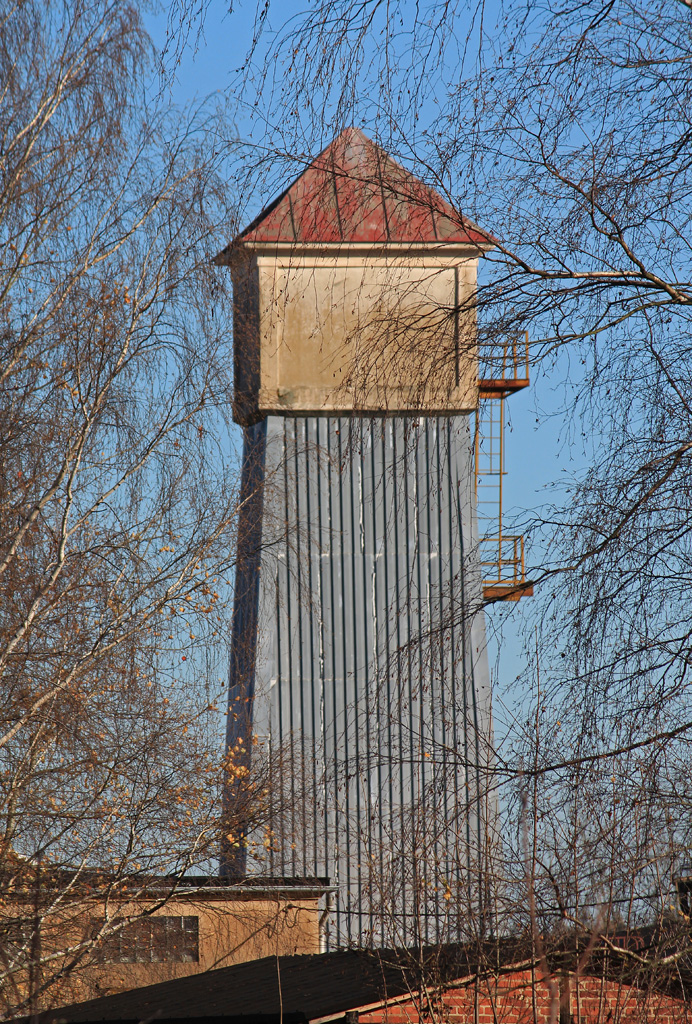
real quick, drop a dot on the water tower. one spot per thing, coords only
(358, 666)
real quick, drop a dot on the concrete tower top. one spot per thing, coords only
(354, 293)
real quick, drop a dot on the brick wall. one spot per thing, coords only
(523, 998)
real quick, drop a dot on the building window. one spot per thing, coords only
(152, 940)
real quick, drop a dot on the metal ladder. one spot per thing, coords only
(501, 554)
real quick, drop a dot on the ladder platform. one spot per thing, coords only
(501, 387)
(507, 591)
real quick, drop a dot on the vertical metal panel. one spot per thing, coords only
(370, 668)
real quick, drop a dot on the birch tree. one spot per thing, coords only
(117, 496)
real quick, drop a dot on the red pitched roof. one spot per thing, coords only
(354, 192)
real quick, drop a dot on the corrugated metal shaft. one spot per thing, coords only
(359, 665)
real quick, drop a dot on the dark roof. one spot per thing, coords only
(92, 882)
(354, 192)
(262, 883)
(295, 988)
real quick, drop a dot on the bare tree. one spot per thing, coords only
(117, 497)
(564, 131)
